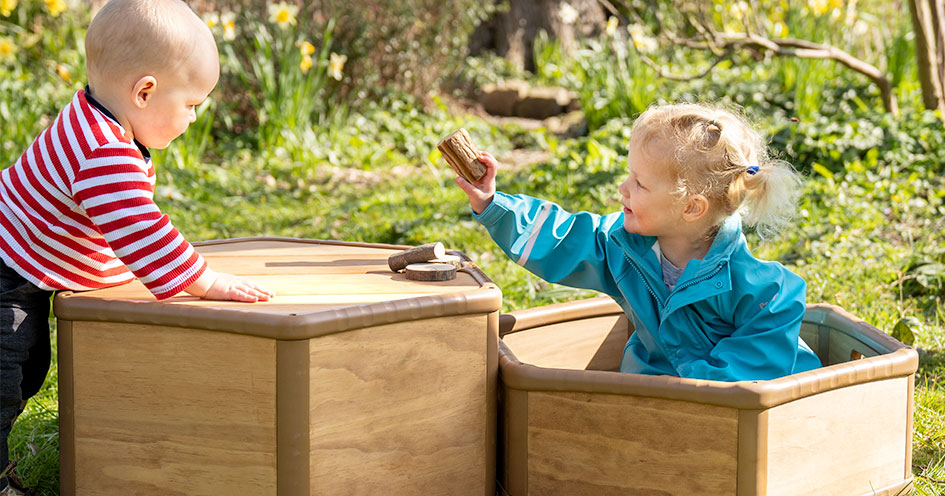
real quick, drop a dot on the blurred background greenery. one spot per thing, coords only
(327, 114)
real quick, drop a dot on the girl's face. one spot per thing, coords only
(650, 206)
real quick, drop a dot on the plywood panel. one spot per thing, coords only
(846, 441)
(599, 444)
(402, 409)
(313, 286)
(271, 247)
(169, 411)
(594, 343)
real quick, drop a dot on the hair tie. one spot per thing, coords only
(715, 122)
(751, 170)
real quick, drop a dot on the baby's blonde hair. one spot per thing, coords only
(128, 38)
(717, 153)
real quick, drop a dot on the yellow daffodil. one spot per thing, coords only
(611, 28)
(739, 9)
(8, 49)
(567, 13)
(55, 7)
(306, 48)
(641, 40)
(336, 63)
(6, 7)
(821, 7)
(211, 19)
(306, 63)
(283, 14)
(63, 73)
(780, 30)
(228, 21)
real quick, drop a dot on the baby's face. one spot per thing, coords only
(172, 105)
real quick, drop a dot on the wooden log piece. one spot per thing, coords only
(423, 253)
(460, 152)
(453, 260)
(431, 272)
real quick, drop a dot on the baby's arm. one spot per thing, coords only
(481, 192)
(218, 286)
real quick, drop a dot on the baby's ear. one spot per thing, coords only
(697, 206)
(143, 90)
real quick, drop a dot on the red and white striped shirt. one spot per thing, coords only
(77, 211)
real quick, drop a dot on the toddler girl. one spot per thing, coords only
(675, 258)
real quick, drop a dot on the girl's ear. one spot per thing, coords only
(697, 206)
(143, 90)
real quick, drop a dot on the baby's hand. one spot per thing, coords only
(481, 192)
(230, 287)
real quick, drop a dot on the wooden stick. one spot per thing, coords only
(422, 253)
(462, 155)
(431, 272)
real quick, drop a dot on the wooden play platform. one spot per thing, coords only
(353, 380)
(570, 424)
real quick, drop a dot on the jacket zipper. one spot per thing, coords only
(645, 283)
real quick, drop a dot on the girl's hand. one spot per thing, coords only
(230, 287)
(481, 192)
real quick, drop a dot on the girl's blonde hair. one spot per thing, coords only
(716, 153)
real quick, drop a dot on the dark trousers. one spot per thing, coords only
(24, 349)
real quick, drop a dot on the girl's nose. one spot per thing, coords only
(624, 189)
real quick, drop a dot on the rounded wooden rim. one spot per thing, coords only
(486, 299)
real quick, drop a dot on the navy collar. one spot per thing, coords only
(101, 108)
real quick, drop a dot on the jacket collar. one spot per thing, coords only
(640, 249)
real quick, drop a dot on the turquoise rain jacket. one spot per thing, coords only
(731, 317)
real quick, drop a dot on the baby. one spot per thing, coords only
(674, 258)
(77, 209)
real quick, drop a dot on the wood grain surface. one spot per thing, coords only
(168, 411)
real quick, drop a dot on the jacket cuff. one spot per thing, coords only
(494, 211)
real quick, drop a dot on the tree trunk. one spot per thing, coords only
(928, 21)
(512, 33)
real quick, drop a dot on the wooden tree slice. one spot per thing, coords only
(460, 152)
(422, 253)
(453, 260)
(431, 272)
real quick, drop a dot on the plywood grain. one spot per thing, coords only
(168, 411)
(599, 444)
(401, 409)
(846, 441)
(593, 343)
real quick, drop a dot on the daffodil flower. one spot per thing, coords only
(567, 13)
(8, 49)
(55, 7)
(6, 7)
(641, 40)
(211, 19)
(228, 21)
(780, 30)
(306, 63)
(611, 28)
(63, 73)
(283, 14)
(306, 48)
(336, 63)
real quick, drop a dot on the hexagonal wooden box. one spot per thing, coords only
(353, 380)
(571, 424)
